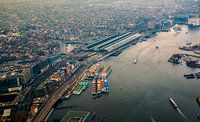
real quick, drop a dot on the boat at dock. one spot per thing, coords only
(84, 84)
(93, 70)
(94, 87)
(106, 71)
(194, 64)
(100, 86)
(173, 103)
(77, 90)
(80, 87)
(105, 86)
(116, 53)
(186, 48)
(177, 29)
(189, 76)
(196, 51)
(197, 75)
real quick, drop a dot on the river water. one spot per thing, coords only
(140, 91)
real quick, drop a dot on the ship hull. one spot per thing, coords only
(173, 103)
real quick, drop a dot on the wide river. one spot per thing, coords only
(140, 91)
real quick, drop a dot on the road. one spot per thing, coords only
(58, 95)
(39, 79)
(25, 96)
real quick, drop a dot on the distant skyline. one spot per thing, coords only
(135, 2)
(15, 1)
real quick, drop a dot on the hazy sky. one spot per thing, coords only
(10, 1)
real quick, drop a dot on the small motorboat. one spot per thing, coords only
(135, 61)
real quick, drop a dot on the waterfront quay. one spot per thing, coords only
(39, 88)
(42, 104)
(114, 44)
(68, 88)
(56, 96)
(46, 45)
(94, 52)
(143, 90)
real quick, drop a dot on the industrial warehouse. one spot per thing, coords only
(113, 42)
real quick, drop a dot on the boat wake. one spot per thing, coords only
(143, 49)
(177, 108)
(182, 114)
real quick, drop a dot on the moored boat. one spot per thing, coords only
(197, 51)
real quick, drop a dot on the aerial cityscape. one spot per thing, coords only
(99, 60)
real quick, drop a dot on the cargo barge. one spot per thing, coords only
(100, 83)
(100, 86)
(116, 53)
(77, 90)
(84, 84)
(105, 86)
(93, 69)
(106, 71)
(94, 86)
(80, 87)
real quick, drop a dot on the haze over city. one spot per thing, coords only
(99, 60)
